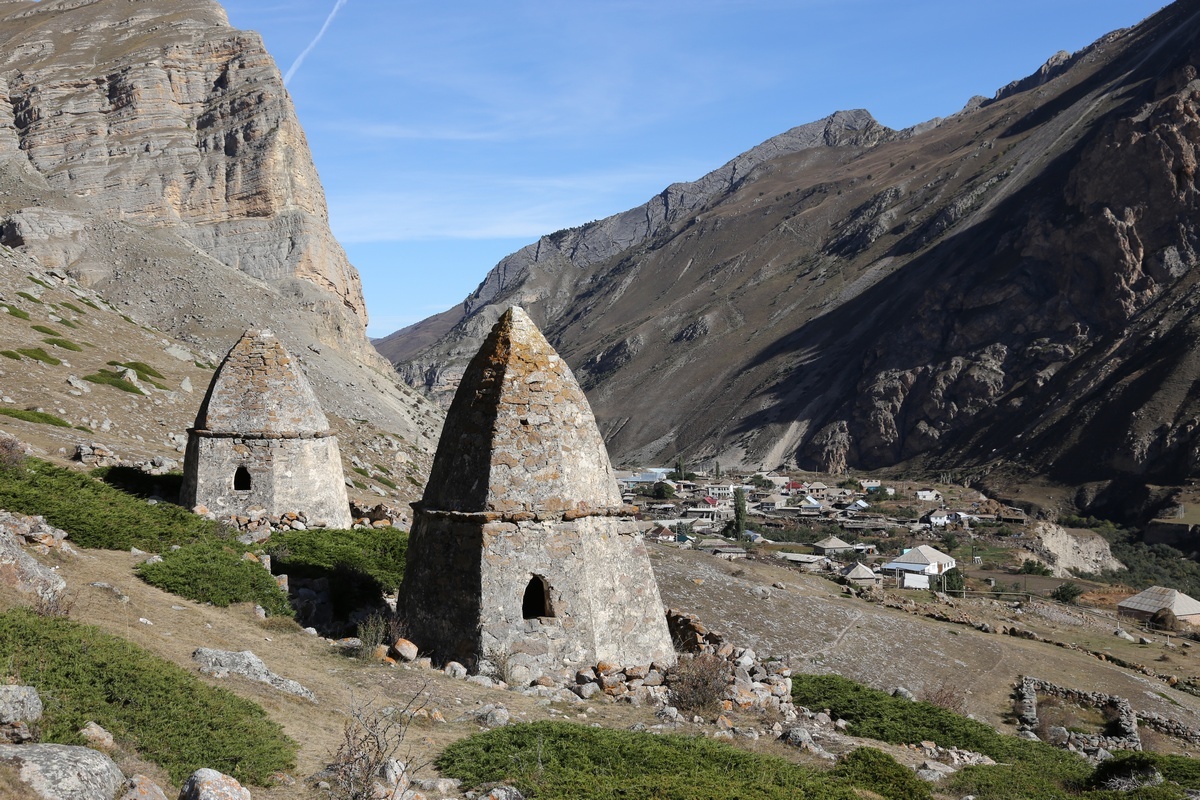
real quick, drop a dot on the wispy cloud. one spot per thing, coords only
(287, 77)
(493, 207)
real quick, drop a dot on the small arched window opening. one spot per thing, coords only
(241, 480)
(536, 602)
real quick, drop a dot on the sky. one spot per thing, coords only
(449, 134)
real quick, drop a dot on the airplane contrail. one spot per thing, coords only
(316, 39)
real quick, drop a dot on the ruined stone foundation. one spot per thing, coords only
(521, 550)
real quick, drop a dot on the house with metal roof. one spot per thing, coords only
(1146, 604)
(860, 575)
(922, 559)
(832, 545)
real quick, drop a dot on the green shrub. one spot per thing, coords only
(214, 571)
(143, 370)
(360, 565)
(87, 302)
(362, 471)
(1067, 593)
(1027, 769)
(65, 344)
(74, 308)
(68, 323)
(46, 330)
(16, 312)
(13, 354)
(553, 760)
(109, 378)
(97, 515)
(878, 772)
(43, 284)
(386, 481)
(169, 716)
(38, 354)
(35, 416)
(29, 297)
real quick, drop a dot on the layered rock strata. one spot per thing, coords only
(521, 550)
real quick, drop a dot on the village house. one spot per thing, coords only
(860, 575)
(1146, 604)
(832, 545)
(929, 495)
(772, 503)
(938, 519)
(924, 560)
(870, 484)
(806, 561)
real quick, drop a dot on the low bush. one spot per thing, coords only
(48, 331)
(698, 683)
(107, 377)
(40, 417)
(164, 712)
(29, 297)
(375, 552)
(878, 772)
(213, 571)
(65, 344)
(97, 515)
(13, 354)
(16, 312)
(38, 354)
(143, 369)
(558, 760)
(74, 308)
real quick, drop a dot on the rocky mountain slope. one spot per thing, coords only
(150, 156)
(1011, 285)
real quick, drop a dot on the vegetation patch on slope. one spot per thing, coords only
(1025, 769)
(553, 760)
(95, 514)
(375, 552)
(217, 572)
(40, 417)
(165, 713)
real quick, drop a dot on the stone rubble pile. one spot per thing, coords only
(256, 526)
(35, 533)
(377, 516)
(94, 454)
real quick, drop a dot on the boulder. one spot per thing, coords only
(97, 738)
(19, 570)
(208, 784)
(19, 706)
(65, 772)
(220, 663)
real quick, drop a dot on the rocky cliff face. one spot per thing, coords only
(160, 114)
(1013, 284)
(150, 154)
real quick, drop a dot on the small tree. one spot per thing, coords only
(717, 471)
(954, 582)
(949, 541)
(663, 491)
(1067, 593)
(739, 512)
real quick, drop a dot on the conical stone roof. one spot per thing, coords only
(520, 436)
(259, 390)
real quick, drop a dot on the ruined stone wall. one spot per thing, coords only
(298, 474)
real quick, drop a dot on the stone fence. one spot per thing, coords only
(1123, 734)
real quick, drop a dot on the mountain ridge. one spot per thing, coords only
(901, 303)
